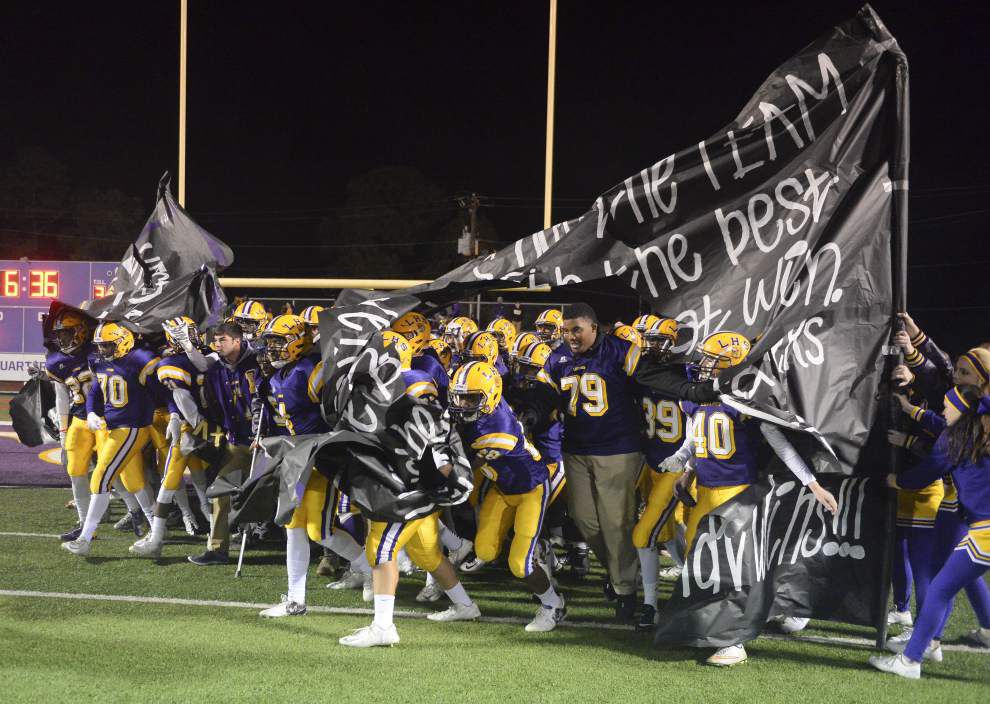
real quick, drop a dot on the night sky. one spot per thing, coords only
(288, 102)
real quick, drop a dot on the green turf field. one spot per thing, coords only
(76, 650)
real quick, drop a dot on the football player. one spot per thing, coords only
(482, 346)
(419, 537)
(248, 315)
(505, 334)
(522, 490)
(522, 342)
(426, 355)
(722, 443)
(186, 408)
(296, 385)
(548, 326)
(456, 333)
(124, 376)
(311, 315)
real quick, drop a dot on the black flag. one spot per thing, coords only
(30, 413)
(170, 270)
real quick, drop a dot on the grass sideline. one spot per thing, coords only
(82, 650)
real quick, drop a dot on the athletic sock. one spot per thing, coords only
(126, 496)
(430, 579)
(341, 542)
(649, 562)
(165, 496)
(296, 563)
(157, 529)
(181, 498)
(676, 549)
(80, 494)
(97, 507)
(146, 500)
(458, 595)
(384, 607)
(550, 598)
(199, 484)
(451, 540)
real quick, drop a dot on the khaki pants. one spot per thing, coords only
(601, 498)
(237, 459)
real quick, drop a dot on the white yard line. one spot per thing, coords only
(29, 535)
(595, 625)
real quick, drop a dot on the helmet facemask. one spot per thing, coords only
(466, 406)
(658, 347)
(548, 332)
(276, 349)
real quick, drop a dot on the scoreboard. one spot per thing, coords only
(26, 292)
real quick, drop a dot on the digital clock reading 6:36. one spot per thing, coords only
(40, 283)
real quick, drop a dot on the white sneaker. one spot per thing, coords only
(431, 592)
(349, 580)
(899, 618)
(902, 637)
(457, 612)
(546, 619)
(980, 637)
(670, 574)
(370, 636)
(728, 656)
(405, 564)
(897, 665)
(933, 652)
(189, 521)
(367, 589)
(791, 624)
(78, 546)
(146, 547)
(472, 565)
(457, 556)
(285, 608)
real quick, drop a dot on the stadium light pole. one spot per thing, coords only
(183, 46)
(551, 77)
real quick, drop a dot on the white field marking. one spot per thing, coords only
(29, 535)
(863, 643)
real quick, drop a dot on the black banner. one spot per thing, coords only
(774, 551)
(30, 413)
(170, 270)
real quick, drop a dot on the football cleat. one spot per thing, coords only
(647, 618)
(547, 618)
(473, 564)
(431, 592)
(670, 574)
(71, 535)
(457, 556)
(371, 636)
(728, 656)
(980, 637)
(405, 564)
(899, 618)
(284, 608)
(933, 652)
(902, 637)
(79, 546)
(132, 520)
(146, 547)
(190, 523)
(897, 665)
(791, 624)
(349, 580)
(625, 607)
(457, 612)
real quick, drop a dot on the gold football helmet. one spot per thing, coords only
(285, 339)
(71, 331)
(112, 341)
(643, 322)
(480, 347)
(719, 351)
(475, 389)
(629, 334)
(529, 363)
(400, 346)
(457, 330)
(442, 350)
(504, 332)
(549, 324)
(249, 315)
(173, 347)
(415, 328)
(523, 340)
(660, 338)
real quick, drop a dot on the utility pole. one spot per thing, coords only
(183, 46)
(551, 79)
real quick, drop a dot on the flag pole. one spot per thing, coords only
(551, 78)
(183, 46)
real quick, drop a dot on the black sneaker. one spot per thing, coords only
(579, 561)
(625, 607)
(71, 535)
(210, 557)
(609, 591)
(647, 619)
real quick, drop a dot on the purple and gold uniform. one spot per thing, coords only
(602, 412)
(421, 385)
(522, 490)
(123, 389)
(663, 434)
(726, 445)
(296, 389)
(177, 373)
(426, 361)
(73, 371)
